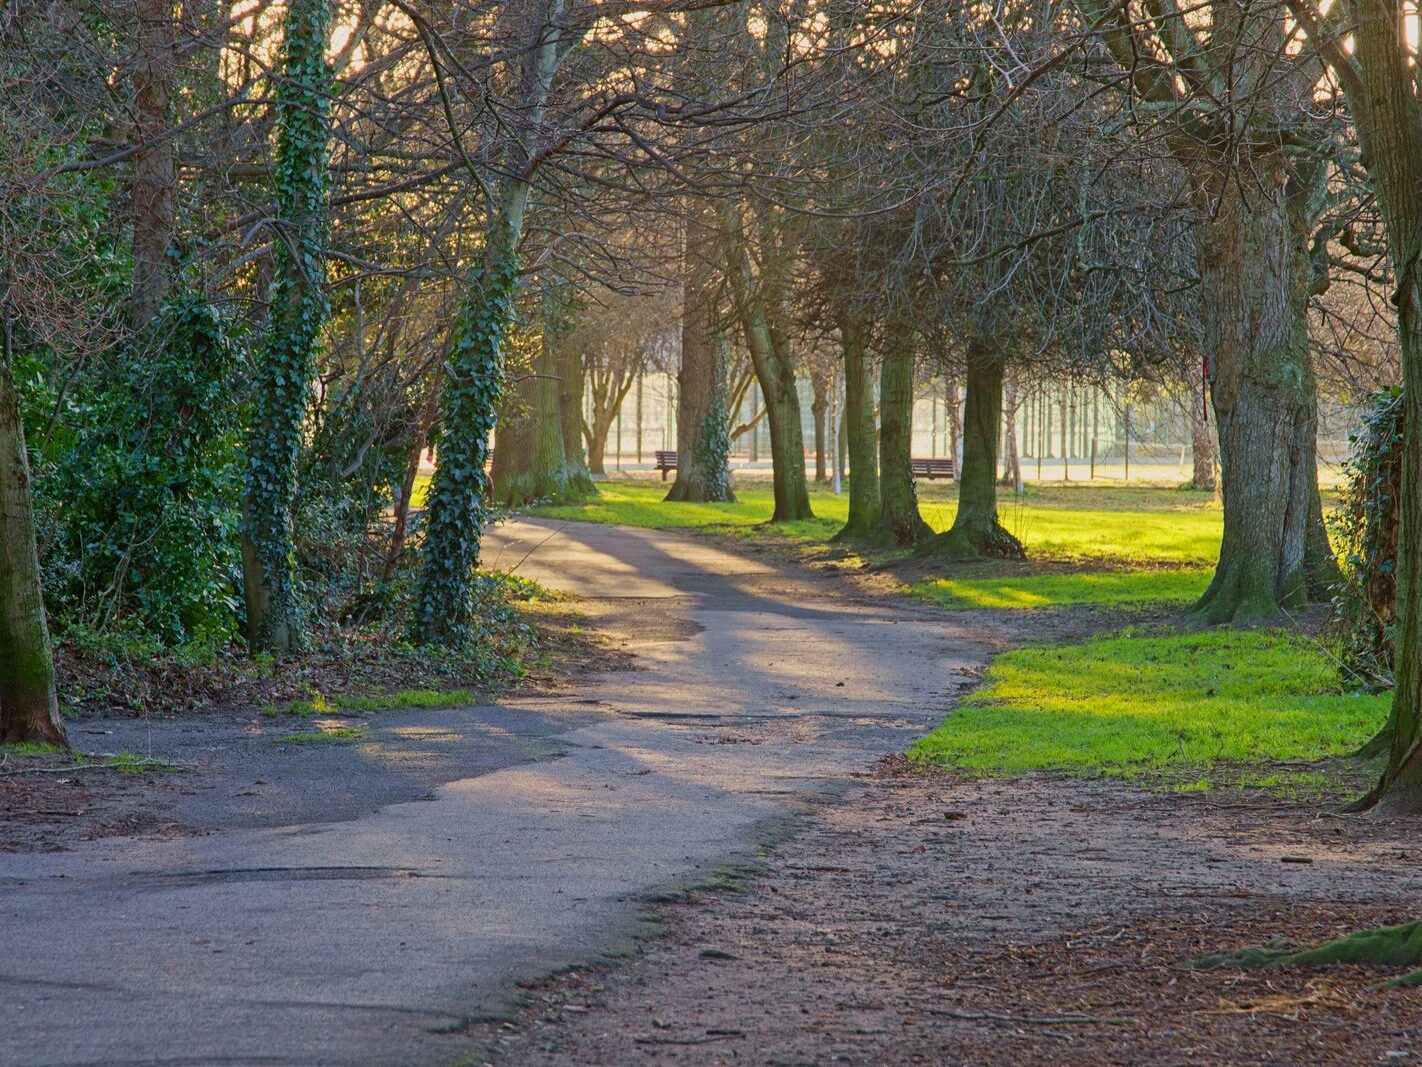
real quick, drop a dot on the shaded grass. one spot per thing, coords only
(396, 700)
(1104, 589)
(1124, 526)
(1135, 703)
(336, 733)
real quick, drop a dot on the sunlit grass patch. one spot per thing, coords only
(1132, 704)
(1112, 589)
(1138, 527)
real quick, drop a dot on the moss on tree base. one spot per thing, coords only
(1384, 946)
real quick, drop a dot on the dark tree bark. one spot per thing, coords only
(1255, 276)
(976, 531)
(29, 706)
(154, 172)
(702, 472)
(899, 517)
(858, 428)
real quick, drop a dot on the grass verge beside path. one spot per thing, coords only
(1191, 707)
(1145, 527)
(1102, 589)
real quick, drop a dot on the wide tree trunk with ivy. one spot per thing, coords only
(702, 434)
(976, 531)
(859, 431)
(29, 706)
(1255, 276)
(287, 360)
(899, 517)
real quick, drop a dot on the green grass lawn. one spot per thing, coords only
(1190, 704)
(1120, 526)
(1108, 589)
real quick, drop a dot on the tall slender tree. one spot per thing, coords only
(298, 315)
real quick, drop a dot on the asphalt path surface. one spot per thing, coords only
(366, 916)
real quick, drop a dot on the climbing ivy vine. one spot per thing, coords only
(713, 447)
(473, 389)
(1367, 526)
(298, 314)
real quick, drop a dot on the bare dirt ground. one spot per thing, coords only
(941, 920)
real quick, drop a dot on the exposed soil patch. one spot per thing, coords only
(940, 920)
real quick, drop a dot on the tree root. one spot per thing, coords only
(1383, 946)
(976, 542)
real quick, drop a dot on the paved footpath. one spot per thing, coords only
(372, 940)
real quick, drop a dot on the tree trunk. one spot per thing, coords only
(976, 531)
(954, 417)
(858, 429)
(1012, 461)
(531, 462)
(1202, 446)
(898, 517)
(702, 449)
(29, 706)
(155, 176)
(569, 366)
(471, 398)
(1255, 276)
(819, 408)
(776, 375)
(298, 314)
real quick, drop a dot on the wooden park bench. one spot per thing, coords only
(666, 461)
(938, 467)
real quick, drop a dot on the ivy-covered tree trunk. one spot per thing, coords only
(703, 464)
(29, 706)
(298, 314)
(1255, 275)
(898, 517)
(155, 175)
(531, 462)
(976, 530)
(569, 365)
(863, 521)
(473, 390)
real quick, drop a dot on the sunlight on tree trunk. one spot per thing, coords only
(899, 516)
(863, 522)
